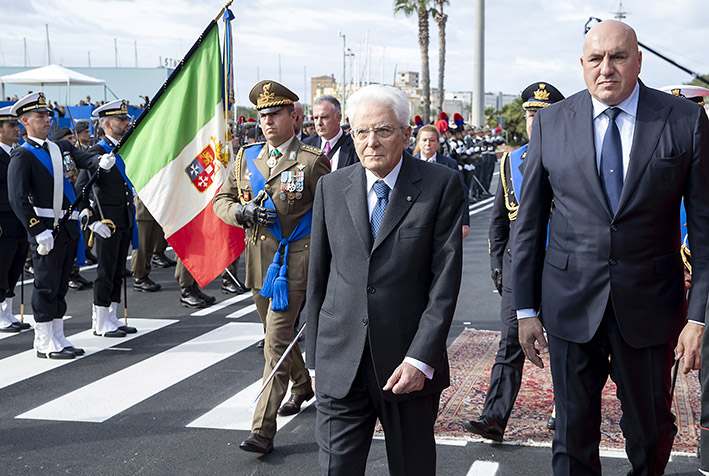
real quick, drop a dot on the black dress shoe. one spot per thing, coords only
(90, 258)
(188, 298)
(79, 278)
(551, 423)
(230, 287)
(260, 344)
(256, 443)
(76, 285)
(145, 285)
(23, 326)
(485, 427)
(29, 270)
(10, 328)
(64, 354)
(116, 333)
(160, 260)
(209, 300)
(128, 329)
(292, 406)
(75, 350)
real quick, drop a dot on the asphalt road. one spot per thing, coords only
(175, 399)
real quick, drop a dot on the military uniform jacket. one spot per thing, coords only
(10, 225)
(114, 194)
(260, 243)
(30, 185)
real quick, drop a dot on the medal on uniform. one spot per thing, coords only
(271, 162)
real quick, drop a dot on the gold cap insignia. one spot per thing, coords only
(270, 94)
(678, 92)
(541, 94)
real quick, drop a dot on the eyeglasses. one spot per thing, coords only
(383, 132)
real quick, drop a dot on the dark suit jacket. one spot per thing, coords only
(633, 256)
(348, 154)
(10, 225)
(398, 293)
(453, 165)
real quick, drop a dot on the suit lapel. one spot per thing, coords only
(401, 198)
(580, 121)
(649, 123)
(356, 199)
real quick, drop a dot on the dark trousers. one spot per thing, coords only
(488, 168)
(344, 428)
(13, 251)
(51, 276)
(506, 375)
(111, 253)
(642, 376)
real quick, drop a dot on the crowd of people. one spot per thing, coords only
(356, 228)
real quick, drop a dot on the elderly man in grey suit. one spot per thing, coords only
(385, 270)
(606, 170)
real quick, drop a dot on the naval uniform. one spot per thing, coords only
(299, 168)
(31, 185)
(506, 376)
(13, 237)
(115, 197)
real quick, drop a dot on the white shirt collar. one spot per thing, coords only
(629, 106)
(6, 148)
(283, 147)
(390, 179)
(39, 142)
(332, 141)
(430, 159)
(110, 140)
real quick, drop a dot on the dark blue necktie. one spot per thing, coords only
(612, 160)
(381, 189)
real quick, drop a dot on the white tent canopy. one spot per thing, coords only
(52, 75)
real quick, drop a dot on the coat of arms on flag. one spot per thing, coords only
(202, 169)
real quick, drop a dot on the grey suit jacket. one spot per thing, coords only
(633, 257)
(398, 293)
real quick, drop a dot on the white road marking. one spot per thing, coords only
(483, 468)
(221, 305)
(26, 364)
(107, 397)
(481, 203)
(237, 412)
(242, 312)
(487, 205)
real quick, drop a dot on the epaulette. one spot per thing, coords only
(313, 149)
(251, 145)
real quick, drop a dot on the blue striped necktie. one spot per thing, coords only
(381, 189)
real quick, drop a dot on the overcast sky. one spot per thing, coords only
(525, 41)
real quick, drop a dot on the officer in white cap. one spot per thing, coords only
(40, 195)
(13, 239)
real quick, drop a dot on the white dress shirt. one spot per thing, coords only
(6, 148)
(336, 156)
(431, 159)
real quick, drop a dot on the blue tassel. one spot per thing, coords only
(271, 274)
(280, 291)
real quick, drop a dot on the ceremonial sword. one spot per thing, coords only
(280, 361)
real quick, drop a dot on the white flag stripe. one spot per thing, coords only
(29, 319)
(237, 412)
(221, 305)
(170, 195)
(109, 396)
(242, 312)
(26, 364)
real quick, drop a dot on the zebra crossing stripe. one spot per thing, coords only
(26, 364)
(237, 412)
(109, 396)
(483, 468)
(221, 305)
(242, 312)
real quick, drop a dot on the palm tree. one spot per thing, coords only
(441, 19)
(421, 7)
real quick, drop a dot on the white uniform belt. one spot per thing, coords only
(49, 213)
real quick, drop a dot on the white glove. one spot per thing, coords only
(101, 229)
(45, 242)
(84, 217)
(106, 161)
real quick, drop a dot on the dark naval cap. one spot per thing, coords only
(539, 95)
(6, 116)
(32, 102)
(269, 96)
(687, 91)
(117, 108)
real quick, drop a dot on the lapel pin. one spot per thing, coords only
(408, 198)
(292, 155)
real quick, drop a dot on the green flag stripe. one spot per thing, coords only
(184, 108)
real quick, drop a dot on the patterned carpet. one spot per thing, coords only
(471, 357)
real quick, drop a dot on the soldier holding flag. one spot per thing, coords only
(269, 191)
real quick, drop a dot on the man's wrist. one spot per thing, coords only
(526, 313)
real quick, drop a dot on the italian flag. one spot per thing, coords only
(177, 154)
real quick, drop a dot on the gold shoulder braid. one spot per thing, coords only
(240, 194)
(512, 208)
(686, 257)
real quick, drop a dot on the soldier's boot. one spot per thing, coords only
(189, 298)
(104, 326)
(121, 326)
(46, 345)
